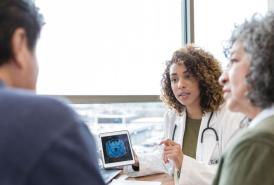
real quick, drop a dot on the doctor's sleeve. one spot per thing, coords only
(194, 172)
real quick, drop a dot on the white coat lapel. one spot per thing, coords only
(180, 123)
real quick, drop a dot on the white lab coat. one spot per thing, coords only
(200, 170)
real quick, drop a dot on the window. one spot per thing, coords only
(104, 53)
(144, 121)
(214, 21)
(118, 47)
(106, 47)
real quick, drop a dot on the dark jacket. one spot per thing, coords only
(44, 142)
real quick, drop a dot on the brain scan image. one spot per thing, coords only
(115, 148)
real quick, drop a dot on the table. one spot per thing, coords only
(165, 179)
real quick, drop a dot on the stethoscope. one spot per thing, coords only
(208, 128)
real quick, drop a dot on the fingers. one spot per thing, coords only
(172, 156)
(168, 142)
(172, 152)
(165, 158)
(171, 147)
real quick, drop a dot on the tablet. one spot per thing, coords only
(116, 149)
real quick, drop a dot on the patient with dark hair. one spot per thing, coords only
(42, 140)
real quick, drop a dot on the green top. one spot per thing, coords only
(192, 128)
(250, 159)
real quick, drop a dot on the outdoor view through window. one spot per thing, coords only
(144, 121)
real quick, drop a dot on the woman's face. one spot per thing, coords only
(233, 80)
(184, 86)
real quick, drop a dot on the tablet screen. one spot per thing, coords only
(116, 148)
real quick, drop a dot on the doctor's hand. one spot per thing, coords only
(173, 151)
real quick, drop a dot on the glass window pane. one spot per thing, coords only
(106, 47)
(215, 19)
(144, 121)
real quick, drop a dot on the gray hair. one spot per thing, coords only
(257, 36)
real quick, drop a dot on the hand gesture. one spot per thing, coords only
(172, 151)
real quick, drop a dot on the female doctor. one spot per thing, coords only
(197, 125)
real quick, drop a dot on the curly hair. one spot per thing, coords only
(257, 36)
(204, 68)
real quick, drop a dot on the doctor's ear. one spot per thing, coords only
(19, 46)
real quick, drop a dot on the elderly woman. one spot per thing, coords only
(197, 125)
(249, 88)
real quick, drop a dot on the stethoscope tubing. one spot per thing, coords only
(207, 128)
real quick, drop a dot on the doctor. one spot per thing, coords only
(197, 125)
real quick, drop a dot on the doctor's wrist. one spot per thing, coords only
(135, 167)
